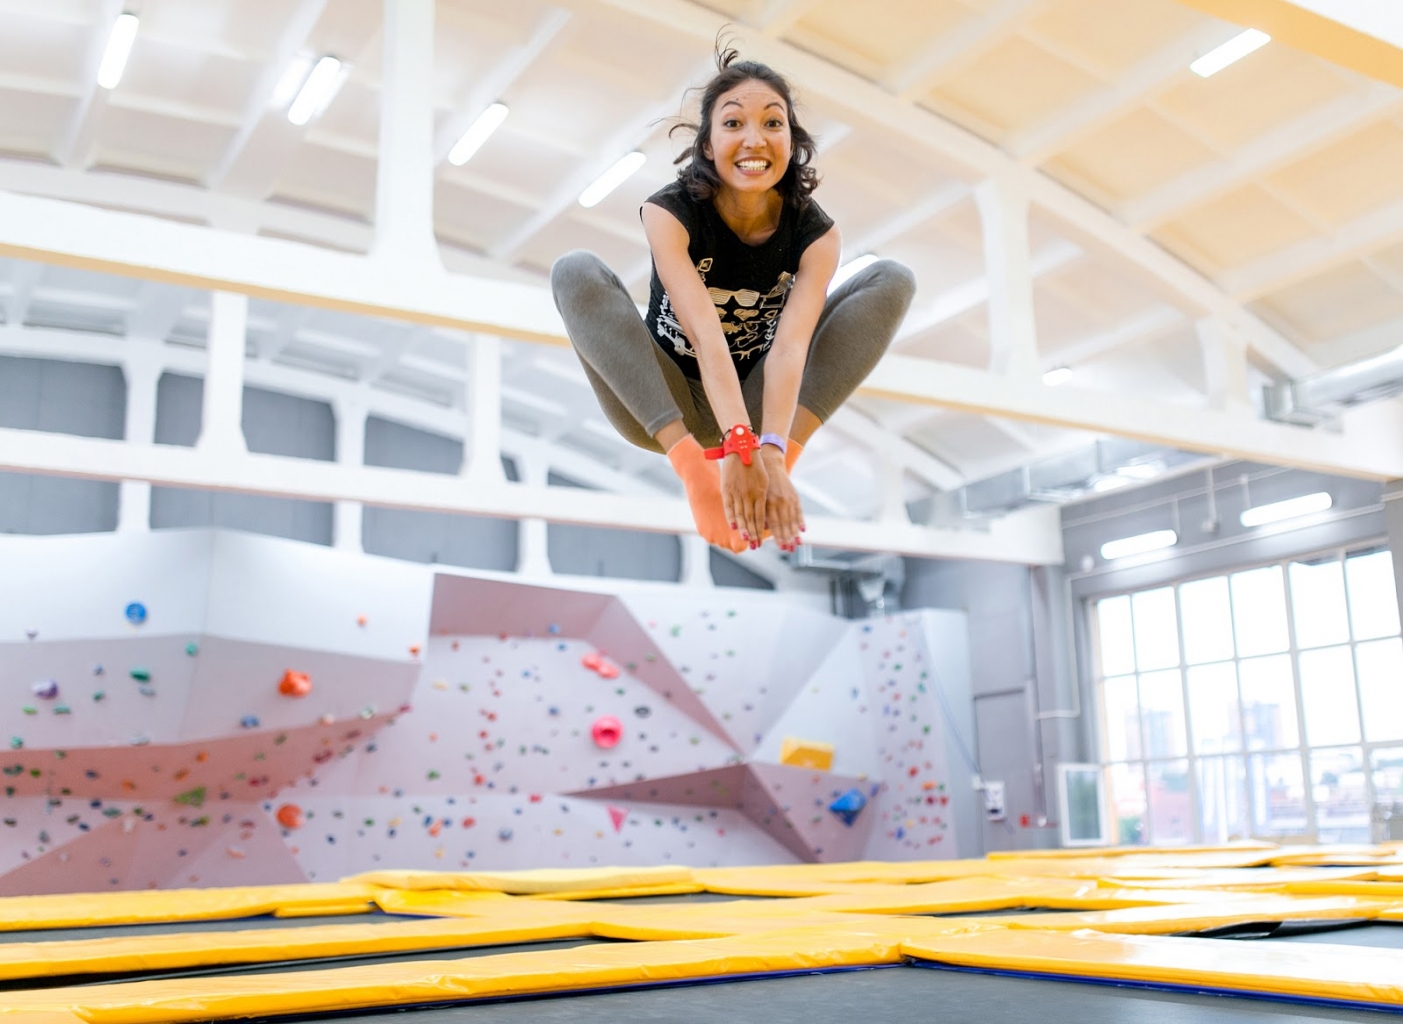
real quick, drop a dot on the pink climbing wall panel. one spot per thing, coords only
(448, 725)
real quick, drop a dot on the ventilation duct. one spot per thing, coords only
(1313, 400)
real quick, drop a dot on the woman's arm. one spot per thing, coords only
(743, 488)
(784, 371)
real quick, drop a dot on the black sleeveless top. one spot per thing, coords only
(749, 284)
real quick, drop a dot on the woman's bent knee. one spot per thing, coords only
(895, 277)
(575, 268)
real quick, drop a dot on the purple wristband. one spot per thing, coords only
(775, 440)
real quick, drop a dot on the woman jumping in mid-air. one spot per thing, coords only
(739, 329)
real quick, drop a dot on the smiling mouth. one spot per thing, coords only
(753, 165)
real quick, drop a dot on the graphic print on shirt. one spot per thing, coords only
(747, 317)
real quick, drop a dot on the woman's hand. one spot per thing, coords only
(743, 493)
(783, 513)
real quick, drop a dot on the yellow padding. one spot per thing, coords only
(679, 889)
(156, 1002)
(22, 913)
(1345, 887)
(266, 945)
(523, 882)
(1180, 853)
(1318, 971)
(1260, 878)
(1197, 917)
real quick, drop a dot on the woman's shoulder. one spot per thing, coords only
(674, 198)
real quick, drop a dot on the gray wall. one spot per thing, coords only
(273, 424)
(1018, 670)
(66, 398)
(597, 551)
(474, 542)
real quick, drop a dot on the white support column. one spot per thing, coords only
(142, 369)
(482, 461)
(404, 184)
(532, 545)
(221, 426)
(1013, 340)
(1224, 365)
(696, 562)
(350, 412)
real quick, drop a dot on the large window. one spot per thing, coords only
(1266, 702)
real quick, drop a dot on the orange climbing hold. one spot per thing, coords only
(295, 684)
(290, 816)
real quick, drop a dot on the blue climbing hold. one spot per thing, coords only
(504, 834)
(46, 689)
(249, 721)
(136, 613)
(553, 629)
(849, 806)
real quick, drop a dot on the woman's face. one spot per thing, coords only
(750, 142)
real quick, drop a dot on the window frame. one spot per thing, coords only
(1303, 749)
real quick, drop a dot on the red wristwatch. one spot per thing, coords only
(739, 440)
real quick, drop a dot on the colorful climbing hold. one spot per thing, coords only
(361, 620)
(62, 709)
(504, 834)
(295, 684)
(191, 797)
(618, 816)
(249, 722)
(290, 816)
(849, 806)
(136, 613)
(99, 695)
(46, 689)
(643, 711)
(140, 674)
(16, 743)
(192, 648)
(606, 732)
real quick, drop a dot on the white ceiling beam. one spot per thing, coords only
(291, 40)
(499, 79)
(930, 207)
(973, 294)
(776, 17)
(1369, 445)
(632, 134)
(945, 55)
(77, 139)
(1018, 539)
(1151, 324)
(1144, 81)
(1281, 269)
(1293, 140)
(878, 440)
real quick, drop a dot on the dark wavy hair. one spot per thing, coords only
(698, 172)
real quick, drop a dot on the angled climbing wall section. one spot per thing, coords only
(210, 708)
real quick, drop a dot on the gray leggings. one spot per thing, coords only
(642, 390)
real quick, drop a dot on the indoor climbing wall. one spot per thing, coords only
(213, 708)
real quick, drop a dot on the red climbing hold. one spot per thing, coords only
(469, 822)
(295, 684)
(608, 670)
(290, 816)
(607, 731)
(618, 816)
(591, 661)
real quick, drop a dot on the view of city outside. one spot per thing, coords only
(1264, 703)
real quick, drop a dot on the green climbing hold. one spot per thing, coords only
(16, 743)
(192, 797)
(62, 709)
(433, 775)
(140, 674)
(192, 648)
(99, 695)
(29, 710)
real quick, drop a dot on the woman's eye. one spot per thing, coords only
(775, 123)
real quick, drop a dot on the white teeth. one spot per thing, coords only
(753, 165)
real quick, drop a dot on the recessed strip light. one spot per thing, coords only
(612, 178)
(1320, 501)
(317, 92)
(119, 48)
(1057, 375)
(487, 122)
(1139, 544)
(1233, 50)
(850, 268)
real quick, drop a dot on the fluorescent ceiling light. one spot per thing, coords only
(1057, 375)
(1289, 509)
(487, 122)
(319, 89)
(612, 178)
(853, 266)
(1233, 50)
(119, 48)
(1139, 544)
(1110, 483)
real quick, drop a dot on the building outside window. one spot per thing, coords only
(1262, 703)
